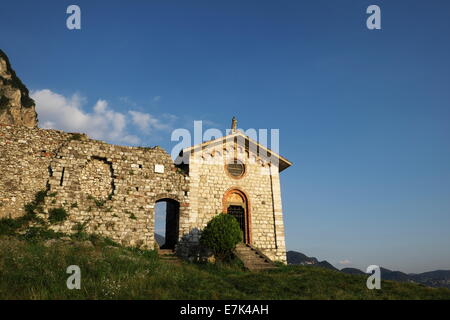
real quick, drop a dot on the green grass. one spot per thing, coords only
(56, 215)
(34, 270)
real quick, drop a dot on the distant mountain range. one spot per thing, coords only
(294, 257)
(438, 278)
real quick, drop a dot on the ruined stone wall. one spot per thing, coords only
(110, 189)
(209, 182)
(25, 156)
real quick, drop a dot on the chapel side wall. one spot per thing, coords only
(209, 182)
(280, 250)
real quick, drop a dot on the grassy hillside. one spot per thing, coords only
(37, 270)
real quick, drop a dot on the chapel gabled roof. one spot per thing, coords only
(249, 143)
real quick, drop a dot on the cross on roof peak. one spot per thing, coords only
(233, 124)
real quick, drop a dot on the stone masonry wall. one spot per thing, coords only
(110, 189)
(209, 182)
(25, 156)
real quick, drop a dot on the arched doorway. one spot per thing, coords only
(167, 217)
(235, 203)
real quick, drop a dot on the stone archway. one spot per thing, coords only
(171, 216)
(236, 203)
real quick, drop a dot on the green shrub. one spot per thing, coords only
(57, 215)
(81, 227)
(40, 197)
(29, 208)
(39, 233)
(109, 242)
(9, 226)
(221, 235)
(36, 204)
(99, 203)
(76, 136)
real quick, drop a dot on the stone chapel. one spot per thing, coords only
(236, 175)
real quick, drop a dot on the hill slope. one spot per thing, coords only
(35, 269)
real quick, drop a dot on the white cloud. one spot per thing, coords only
(127, 101)
(156, 99)
(148, 123)
(56, 111)
(345, 262)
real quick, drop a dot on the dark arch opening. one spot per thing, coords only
(235, 203)
(167, 217)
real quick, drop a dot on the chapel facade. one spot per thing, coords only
(236, 175)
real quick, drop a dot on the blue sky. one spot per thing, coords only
(364, 115)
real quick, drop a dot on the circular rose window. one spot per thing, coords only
(236, 169)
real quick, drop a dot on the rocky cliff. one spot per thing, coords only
(16, 106)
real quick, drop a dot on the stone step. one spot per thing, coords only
(165, 251)
(166, 259)
(249, 254)
(258, 263)
(168, 255)
(252, 259)
(253, 256)
(246, 251)
(260, 268)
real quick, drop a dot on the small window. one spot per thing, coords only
(236, 169)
